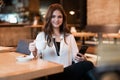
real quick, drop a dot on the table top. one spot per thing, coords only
(5, 49)
(104, 35)
(84, 34)
(111, 35)
(11, 69)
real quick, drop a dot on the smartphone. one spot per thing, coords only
(83, 50)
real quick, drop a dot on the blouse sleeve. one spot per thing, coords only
(74, 47)
(40, 42)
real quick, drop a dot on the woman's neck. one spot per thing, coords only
(56, 32)
(57, 35)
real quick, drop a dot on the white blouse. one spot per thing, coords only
(67, 51)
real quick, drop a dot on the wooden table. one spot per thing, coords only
(6, 49)
(10, 69)
(84, 35)
(111, 35)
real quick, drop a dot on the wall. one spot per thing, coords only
(9, 36)
(34, 5)
(103, 12)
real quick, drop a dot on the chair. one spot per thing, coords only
(23, 46)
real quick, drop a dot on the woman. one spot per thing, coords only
(57, 44)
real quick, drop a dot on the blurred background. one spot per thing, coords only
(95, 23)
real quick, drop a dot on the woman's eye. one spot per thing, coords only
(53, 16)
(59, 16)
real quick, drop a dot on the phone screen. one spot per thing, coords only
(83, 49)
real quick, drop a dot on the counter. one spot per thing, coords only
(10, 34)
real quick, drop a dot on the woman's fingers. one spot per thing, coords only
(80, 57)
(32, 47)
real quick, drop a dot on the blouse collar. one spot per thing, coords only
(61, 36)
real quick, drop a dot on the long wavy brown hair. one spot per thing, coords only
(48, 28)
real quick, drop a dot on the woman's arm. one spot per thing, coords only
(75, 51)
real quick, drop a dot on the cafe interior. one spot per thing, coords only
(95, 23)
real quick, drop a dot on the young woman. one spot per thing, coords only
(57, 44)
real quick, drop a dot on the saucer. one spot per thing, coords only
(23, 58)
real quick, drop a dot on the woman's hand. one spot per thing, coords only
(80, 57)
(33, 49)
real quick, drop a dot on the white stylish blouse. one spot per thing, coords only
(67, 51)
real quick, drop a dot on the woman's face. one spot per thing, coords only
(57, 19)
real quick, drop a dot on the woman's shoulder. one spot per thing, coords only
(41, 33)
(69, 35)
